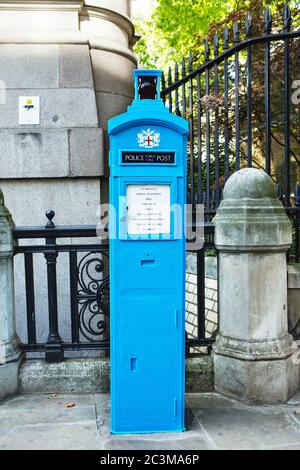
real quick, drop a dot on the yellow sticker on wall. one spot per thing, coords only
(29, 110)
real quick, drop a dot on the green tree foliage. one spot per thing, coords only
(177, 27)
(173, 27)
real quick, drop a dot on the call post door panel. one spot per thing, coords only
(147, 263)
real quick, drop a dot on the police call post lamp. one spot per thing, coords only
(147, 263)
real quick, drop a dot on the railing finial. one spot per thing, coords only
(190, 63)
(50, 214)
(170, 77)
(183, 67)
(267, 21)
(176, 72)
(163, 81)
(249, 25)
(236, 32)
(216, 45)
(225, 38)
(287, 18)
(206, 50)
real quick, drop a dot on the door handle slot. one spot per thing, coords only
(147, 262)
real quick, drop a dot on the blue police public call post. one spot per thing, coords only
(148, 165)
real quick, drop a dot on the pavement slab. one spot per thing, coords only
(229, 424)
(190, 442)
(43, 421)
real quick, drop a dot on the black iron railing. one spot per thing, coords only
(202, 338)
(243, 110)
(88, 275)
(88, 289)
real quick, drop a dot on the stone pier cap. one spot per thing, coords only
(250, 217)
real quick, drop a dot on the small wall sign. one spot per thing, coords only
(29, 110)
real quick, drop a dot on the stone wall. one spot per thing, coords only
(93, 376)
(77, 57)
(51, 164)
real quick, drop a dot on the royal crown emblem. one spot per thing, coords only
(148, 138)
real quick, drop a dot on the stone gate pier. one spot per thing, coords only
(254, 355)
(10, 354)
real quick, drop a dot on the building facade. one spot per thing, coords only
(76, 56)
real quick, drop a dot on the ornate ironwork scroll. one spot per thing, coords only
(93, 296)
